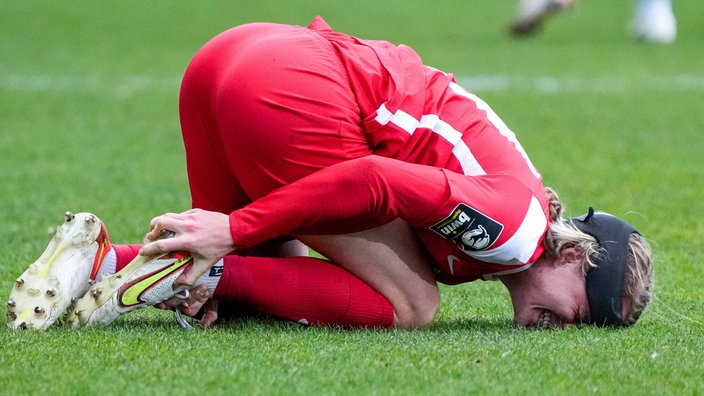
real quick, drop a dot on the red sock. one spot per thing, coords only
(125, 254)
(303, 289)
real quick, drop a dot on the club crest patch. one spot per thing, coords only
(470, 229)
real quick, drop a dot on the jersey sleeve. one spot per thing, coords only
(346, 197)
(492, 218)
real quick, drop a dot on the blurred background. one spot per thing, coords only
(89, 122)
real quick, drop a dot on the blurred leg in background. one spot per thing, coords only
(653, 21)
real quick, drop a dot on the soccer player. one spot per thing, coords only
(653, 21)
(387, 167)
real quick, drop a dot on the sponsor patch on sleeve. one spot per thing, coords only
(470, 229)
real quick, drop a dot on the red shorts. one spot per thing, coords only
(261, 106)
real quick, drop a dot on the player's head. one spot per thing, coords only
(596, 269)
(621, 272)
(617, 263)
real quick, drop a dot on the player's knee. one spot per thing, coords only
(418, 315)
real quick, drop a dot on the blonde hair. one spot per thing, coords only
(639, 277)
(564, 234)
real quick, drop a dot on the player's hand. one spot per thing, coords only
(190, 305)
(206, 235)
(211, 313)
(198, 297)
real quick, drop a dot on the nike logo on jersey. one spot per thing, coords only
(131, 293)
(451, 263)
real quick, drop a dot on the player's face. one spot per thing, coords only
(552, 293)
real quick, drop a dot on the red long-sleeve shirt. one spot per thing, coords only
(473, 226)
(386, 137)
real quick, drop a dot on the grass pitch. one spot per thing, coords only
(88, 118)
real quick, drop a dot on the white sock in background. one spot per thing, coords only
(655, 21)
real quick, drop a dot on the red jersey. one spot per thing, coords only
(418, 114)
(459, 177)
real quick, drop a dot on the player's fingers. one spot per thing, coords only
(169, 221)
(161, 246)
(164, 217)
(151, 249)
(156, 233)
(210, 314)
(189, 305)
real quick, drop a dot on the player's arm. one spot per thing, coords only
(353, 193)
(345, 196)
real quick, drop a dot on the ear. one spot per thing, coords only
(570, 256)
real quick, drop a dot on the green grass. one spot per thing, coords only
(88, 119)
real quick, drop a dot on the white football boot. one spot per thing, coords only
(655, 21)
(532, 13)
(143, 282)
(60, 275)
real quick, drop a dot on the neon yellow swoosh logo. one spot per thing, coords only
(131, 295)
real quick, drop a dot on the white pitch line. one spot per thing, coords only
(121, 87)
(547, 84)
(126, 85)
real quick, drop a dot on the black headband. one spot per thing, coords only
(605, 282)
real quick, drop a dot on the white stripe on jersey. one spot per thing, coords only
(497, 122)
(400, 118)
(523, 242)
(518, 248)
(470, 165)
